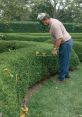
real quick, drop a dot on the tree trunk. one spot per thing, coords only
(54, 12)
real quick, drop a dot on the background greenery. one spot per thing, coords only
(35, 27)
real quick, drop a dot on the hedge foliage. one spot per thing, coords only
(34, 27)
(38, 37)
(22, 27)
(21, 68)
(7, 46)
(78, 49)
(27, 37)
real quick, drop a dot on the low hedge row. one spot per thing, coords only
(77, 46)
(22, 68)
(26, 38)
(77, 36)
(6, 46)
(34, 27)
(78, 49)
(38, 37)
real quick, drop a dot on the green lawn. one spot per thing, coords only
(58, 100)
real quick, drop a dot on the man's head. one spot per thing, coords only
(44, 18)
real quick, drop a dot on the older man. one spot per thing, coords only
(62, 42)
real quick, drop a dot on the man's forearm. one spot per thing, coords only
(57, 43)
(56, 46)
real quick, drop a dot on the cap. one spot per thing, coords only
(41, 16)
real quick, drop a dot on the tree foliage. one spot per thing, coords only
(64, 10)
(13, 9)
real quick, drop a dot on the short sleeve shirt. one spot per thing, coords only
(57, 31)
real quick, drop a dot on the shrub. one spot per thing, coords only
(73, 27)
(77, 36)
(27, 37)
(78, 49)
(36, 27)
(6, 46)
(77, 46)
(38, 37)
(22, 68)
(22, 27)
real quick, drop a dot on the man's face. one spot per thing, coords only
(45, 21)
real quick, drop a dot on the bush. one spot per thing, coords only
(73, 27)
(37, 37)
(6, 46)
(27, 37)
(77, 36)
(22, 27)
(35, 27)
(78, 49)
(22, 68)
(77, 46)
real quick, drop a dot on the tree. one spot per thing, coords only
(53, 7)
(65, 10)
(39, 6)
(13, 9)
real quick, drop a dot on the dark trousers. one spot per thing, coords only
(64, 57)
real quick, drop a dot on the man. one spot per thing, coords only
(62, 42)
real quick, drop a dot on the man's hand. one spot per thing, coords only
(57, 45)
(54, 51)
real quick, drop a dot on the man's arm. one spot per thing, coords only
(57, 43)
(59, 38)
(56, 46)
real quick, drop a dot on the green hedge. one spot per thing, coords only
(77, 46)
(73, 27)
(26, 37)
(29, 68)
(35, 27)
(77, 36)
(38, 37)
(22, 27)
(6, 46)
(78, 49)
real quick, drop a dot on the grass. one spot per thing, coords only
(58, 100)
